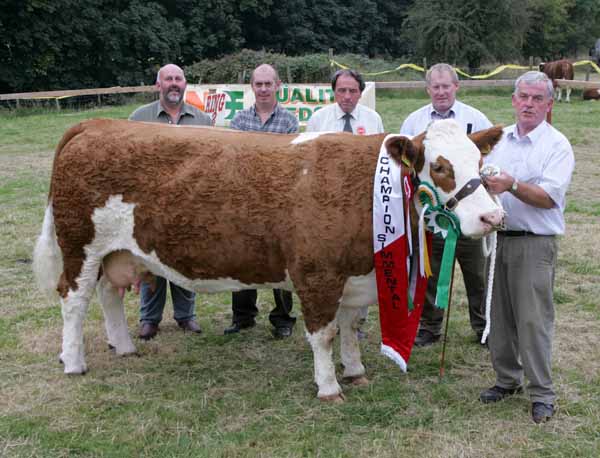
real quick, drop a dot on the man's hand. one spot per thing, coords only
(499, 183)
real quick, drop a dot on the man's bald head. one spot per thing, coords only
(265, 71)
(169, 68)
(265, 84)
(171, 85)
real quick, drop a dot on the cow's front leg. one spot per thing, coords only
(73, 308)
(114, 318)
(558, 94)
(348, 319)
(321, 342)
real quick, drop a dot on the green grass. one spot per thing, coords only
(251, 396)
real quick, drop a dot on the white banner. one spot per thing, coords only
(222, 101)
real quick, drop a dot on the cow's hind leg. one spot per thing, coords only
(568, 97)
(348, 319)
(74, 308)
(114, 318)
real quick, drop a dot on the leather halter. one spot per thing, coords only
(468, 189)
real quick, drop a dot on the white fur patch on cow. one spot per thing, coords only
(447, 139)
(307, 136)
(360, 290)
(322, 346)
(47, 257)
(113, 226)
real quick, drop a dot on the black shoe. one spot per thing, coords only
(190, 325)
(148, 331)
(237, 327)
(425, 338)
(497, 393)
(282, 332)
(541, 413)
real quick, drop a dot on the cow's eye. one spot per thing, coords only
(437, 168)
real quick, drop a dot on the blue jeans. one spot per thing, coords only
(153, 303)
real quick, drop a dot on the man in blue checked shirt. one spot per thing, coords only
(266, 115)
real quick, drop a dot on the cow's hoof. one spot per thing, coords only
(81, 371)
(357, 380)
(127, 351)
(333, 398)
(73, 369)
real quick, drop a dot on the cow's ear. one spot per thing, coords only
(406, 151)
(486, 139)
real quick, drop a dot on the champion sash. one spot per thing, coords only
(401, 282)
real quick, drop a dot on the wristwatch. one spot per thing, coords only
(514, 187)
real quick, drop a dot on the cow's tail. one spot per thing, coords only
(47, 257)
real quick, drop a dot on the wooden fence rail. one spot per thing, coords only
(579, 84)
(77, 92)
(379, 85)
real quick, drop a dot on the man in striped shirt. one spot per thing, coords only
(266, 115)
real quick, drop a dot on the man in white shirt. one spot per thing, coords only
(347, 115)
(536, 163)
(442, 85)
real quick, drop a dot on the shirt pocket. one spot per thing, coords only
(530, 171)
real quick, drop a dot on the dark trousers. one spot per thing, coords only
(473, 266)
(244, 307)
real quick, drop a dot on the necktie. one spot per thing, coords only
(347, 126)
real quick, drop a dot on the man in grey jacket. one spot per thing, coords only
(168, 109)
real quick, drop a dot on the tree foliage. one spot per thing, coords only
(466, 31)
(63, 44)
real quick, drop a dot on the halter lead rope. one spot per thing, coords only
(489, 251)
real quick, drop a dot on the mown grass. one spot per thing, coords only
(251, 396)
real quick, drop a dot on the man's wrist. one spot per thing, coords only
(514, 186)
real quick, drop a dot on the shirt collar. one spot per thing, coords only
(532, 136)
(275, 108)
(186, 110)
(451, 113)
(339, 113)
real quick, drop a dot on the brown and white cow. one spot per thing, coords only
(217, 210)
(591, 94)
(556, 70)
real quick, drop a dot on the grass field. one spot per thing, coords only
(251, 396)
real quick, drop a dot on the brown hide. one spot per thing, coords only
(591, 94)
(217, 203)
(558, 69)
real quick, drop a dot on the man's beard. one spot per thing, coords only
(174, 96)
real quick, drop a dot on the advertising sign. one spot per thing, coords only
(222, 101)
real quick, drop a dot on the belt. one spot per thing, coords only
(516, 233)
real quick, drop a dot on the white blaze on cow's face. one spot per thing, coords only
(451, 161)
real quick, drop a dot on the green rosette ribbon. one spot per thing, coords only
(443, 223)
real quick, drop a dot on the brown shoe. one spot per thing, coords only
(190, 325)
(148, 331)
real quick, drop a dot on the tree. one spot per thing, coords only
(584, 22)
(465, 31)
(84, 43)
(548, 29)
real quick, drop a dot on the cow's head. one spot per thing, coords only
(449, 160)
